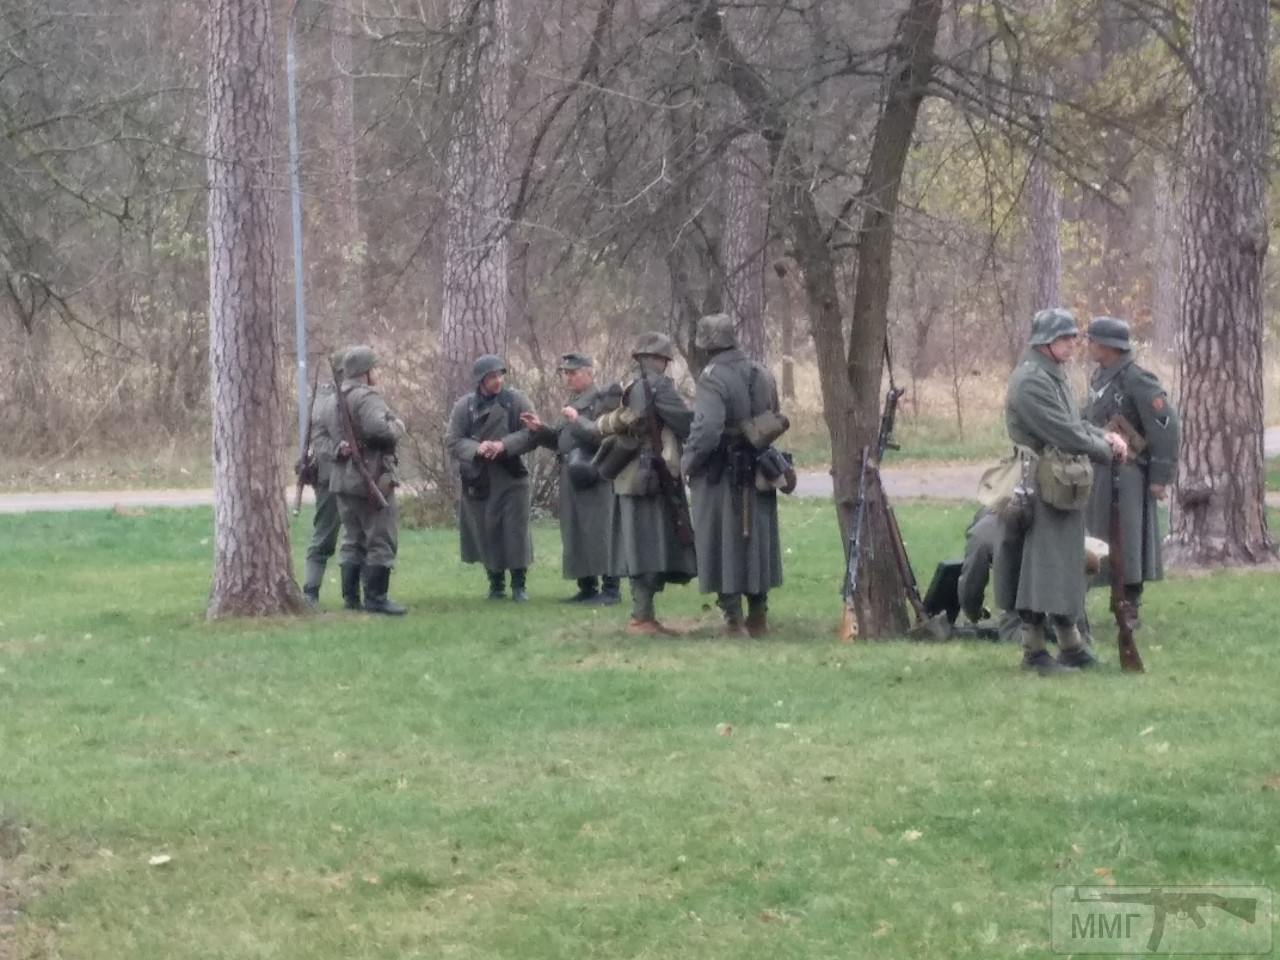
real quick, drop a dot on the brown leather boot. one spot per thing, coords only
(757, 624)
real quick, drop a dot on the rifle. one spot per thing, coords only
(357, 453)
(1184, 904)
(927, 627)
(306, 466)
(853, 554)
(672, 488)
(1121, 607)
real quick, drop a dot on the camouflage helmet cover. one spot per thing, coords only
(653, 344)
(486, 365)
(358, 360)
(716, 332)
(1052, 324)
(1110, 332)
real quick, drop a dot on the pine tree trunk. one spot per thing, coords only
(251, 565)
(1221, 498)
(1164, 282)
(744, 243)
(476, 299)
(349, 239)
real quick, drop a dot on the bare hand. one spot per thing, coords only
(531, 421)
(1119, 447)
(1159, 491)
(492, 449)
(570, 414)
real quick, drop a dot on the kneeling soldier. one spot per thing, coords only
(364, 479)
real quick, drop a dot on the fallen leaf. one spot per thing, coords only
(1147, 731)
(724, 729)
(1077, 849)
(1102, 871)
(911, 836)
(891, 861)
(159, 860)
(883, 927)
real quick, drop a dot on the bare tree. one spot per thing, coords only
(1164, 280)
(477, 291)
(251, 566)
(1221, 495)
(352, 299)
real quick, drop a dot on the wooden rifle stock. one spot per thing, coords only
(304, 465)
(357, 453)
(1121, 607)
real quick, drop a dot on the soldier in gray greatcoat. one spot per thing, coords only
(487, 439)
(1040, 569)
(735, 524)
(645, 545)
(586, 499)
(1119, 388)
(324, 448)
(370, 536)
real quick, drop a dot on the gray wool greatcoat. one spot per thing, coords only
(494, 530)
(1134, 392)
(585, 514)
(1042, 570)
(643, 535)
(731, 389)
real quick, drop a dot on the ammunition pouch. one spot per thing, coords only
(580, 465)
(764, 428)
(616, 451)
(647, 482)
(308, 471)
(475, 481)
(1065, 480)
(775, 470)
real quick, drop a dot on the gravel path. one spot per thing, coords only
(950, 482)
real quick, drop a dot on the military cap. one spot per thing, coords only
(358, 361)
(1052, 324)
(575, 361)
(653, 345)
(486, 365)
(1110, 332)
(716, 332)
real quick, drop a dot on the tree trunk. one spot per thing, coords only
(349, 240)
(745, 205)
(251, 567)
(474, 315)
(785, 281)
(1044, 220)
(1164, 282)
(850, 374)
(1221, 498)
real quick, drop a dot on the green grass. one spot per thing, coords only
(484, 780)
(921, 439)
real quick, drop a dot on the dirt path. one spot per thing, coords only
(942, 482)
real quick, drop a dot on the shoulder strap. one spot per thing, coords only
(508, 403)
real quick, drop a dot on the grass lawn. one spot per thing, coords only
(484, 780)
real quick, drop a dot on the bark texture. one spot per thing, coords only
(1221, 515)
(251, 564)
(477, 291)
(745, 206)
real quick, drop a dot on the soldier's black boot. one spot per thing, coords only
(311, 586)
(377, 580)
(518, 592)
(586, 591)
(1034, 655)
(351, 586)
(497, 585)
(610, 592)
(1073, 651)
